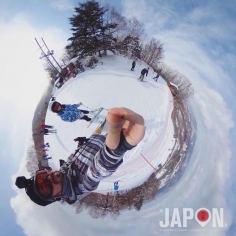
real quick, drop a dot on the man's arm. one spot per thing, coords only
(125, 130)
(126, 121)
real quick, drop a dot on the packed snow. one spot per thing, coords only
(109, 84)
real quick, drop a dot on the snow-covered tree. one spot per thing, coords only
(130, 47)
(91, 33)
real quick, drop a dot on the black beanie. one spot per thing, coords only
(28, 184)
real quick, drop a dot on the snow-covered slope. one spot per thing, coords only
(112, 84)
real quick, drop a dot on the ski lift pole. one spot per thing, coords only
(51, 54)
(147, 161)
(50, 63)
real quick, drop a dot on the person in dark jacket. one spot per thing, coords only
(156, 77)
(69, 113)
(47, 131)
(143, 72)
(95, 160)
(133, 65)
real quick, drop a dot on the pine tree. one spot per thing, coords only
(91, 33)
(131, 47)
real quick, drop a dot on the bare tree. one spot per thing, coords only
(32, 160)
(153, 52)
(135, 28)
(184, 89)
(114, 17)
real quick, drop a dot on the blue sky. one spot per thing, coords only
(199, 41)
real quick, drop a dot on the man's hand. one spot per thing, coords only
(131, 123)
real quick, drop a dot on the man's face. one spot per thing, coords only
(56, 178)
(49, 183)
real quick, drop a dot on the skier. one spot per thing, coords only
(116, 186)
(43, 126)
(156, 77)
(69, 113)
(45, 145)
(44, 150)
(143, 72)
(47, 131)
(133, 65)
(95, 160)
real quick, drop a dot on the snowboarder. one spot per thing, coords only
(69, 113)
(133, 65)
(94, 161)
(43, 126)
(47, 131)
(143, 72)
(156, 77)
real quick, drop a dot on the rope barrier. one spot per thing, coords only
(147, 161)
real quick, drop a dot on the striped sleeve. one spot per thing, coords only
(103, 165)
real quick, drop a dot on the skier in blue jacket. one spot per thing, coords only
(69, 113)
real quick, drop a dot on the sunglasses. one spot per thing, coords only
(43, 184)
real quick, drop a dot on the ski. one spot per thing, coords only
(98, 109)
(95, 116)
(103, 123)
(100, 127)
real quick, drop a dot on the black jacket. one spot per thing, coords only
(144, 71)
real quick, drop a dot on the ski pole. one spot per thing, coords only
(84, 105)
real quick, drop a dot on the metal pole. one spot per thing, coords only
(51, 54)
(46, 56)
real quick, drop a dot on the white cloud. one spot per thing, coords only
(23, 81)
(22, 75)
(62, 5)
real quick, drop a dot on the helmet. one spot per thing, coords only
(38, 188)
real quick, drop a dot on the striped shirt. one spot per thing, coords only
(91, 163)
